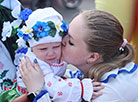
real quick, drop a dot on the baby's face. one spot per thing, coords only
(48, 52)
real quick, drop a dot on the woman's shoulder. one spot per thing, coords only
(120, 84)
(125, 73)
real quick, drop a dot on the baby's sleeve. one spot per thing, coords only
(88, 89)
(68, 90)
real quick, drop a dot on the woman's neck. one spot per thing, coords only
(84, 69)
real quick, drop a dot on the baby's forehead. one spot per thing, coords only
(48, 44)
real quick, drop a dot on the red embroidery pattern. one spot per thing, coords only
(23, 91)
(59, 79)
(70, 84)
(5, 88)
(47, 74)
(58, 65)
(60, 93)
(49, 84)
(65, 79)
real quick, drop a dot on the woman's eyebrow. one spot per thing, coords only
(70, 35)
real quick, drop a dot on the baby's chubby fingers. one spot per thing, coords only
(96, 83)
(96, 94)
(97, 88)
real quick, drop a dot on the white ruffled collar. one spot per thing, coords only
(129, 68)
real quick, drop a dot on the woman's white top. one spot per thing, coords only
(121, 85)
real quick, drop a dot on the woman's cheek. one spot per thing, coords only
(67, 54)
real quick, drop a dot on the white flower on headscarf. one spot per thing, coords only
(18, 57)
(21, 43)
(16, 23)
(19, 54)
(27, 30)
(8, 27)
(7, 30)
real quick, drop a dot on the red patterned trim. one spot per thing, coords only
(22, 90)
(47, 74)
(5, 88)
(82, 89)
(59, 65)
(14, 81)
(59, 60)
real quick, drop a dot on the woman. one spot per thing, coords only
(95, 45)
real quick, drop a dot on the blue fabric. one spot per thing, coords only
(120, 71)
(40, 95)
(78, 74)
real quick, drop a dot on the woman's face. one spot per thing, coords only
(74, 48)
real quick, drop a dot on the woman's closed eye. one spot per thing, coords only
(70, 43)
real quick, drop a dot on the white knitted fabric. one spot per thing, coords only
(44, 15)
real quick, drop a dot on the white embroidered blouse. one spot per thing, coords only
(121, 85)
(59, 89)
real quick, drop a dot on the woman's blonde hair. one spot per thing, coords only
(105, 36)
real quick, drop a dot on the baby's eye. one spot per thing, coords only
(57, 46)
(43, 49)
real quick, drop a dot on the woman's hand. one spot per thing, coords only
(32, 75)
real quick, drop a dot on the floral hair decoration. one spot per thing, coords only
(42, 29)
(10, 28)
(12, 18)
(46, 28)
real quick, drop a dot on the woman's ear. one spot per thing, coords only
(93, 57)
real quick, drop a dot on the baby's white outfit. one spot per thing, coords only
(59, 89)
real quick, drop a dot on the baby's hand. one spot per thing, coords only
(96, 87)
